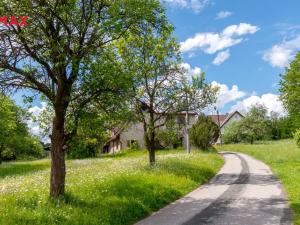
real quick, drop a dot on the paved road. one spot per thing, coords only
(244, 192)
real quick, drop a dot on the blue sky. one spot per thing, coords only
(255, 40)
(242, 46)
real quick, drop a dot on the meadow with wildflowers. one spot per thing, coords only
(119, 189)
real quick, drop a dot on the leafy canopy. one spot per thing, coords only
(290, 90)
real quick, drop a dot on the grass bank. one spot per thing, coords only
(284, 159)
(110, 190)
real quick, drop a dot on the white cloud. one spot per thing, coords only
(196, 5)
(221, 57)
(269, 100)
(281, 54)
(34, 126)
(191, 71)
(227, 95)
(239, 30)
(212, 42)
(223, 15)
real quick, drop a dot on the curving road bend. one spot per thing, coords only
(244, 192)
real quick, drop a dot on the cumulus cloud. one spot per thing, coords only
(281, 54)
(269, 100)
(221, 57)
(212, 42)
(34, 128)
(195, 5)
(223, 14)
(191, 71)
(227, 94)
(239, 30)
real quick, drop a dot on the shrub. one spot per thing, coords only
(81, 147)
(204, 133)
(168, 137)
(22, 148)
(232, 133)
(297, 137)
(134, 145)
(253, 127)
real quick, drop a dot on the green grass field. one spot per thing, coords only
(109, 190)
(284, 159)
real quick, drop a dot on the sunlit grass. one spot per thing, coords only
(118, 189)
(284, 159)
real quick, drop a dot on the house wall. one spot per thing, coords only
(115, 146)
(235, 117)
(136, 132)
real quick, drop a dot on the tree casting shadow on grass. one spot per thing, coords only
(15, 169)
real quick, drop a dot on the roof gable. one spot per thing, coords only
(224, 118)
(230, 116)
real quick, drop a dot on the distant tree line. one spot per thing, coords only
(259, 125)
(16, 142)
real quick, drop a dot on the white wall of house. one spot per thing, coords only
(235, 117)
(115, 146)
(135, 132)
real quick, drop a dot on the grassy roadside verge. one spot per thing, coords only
(110, 190)
(284, 159)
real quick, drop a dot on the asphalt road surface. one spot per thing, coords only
(244, 192)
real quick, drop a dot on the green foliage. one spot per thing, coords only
(280, 127)
(257, 125)
(204, 133)
(251, 128)
(15, 140)
(290, 90)
(232, 133)
(168, 136)
(297, 137)
(153, 56)
(134, 146)
(283, 158)
(112, 190)
(82, 147)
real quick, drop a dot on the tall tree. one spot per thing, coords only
(162, 87)
(290, 90)
(55, 51)
(153, 56)
(196, 95)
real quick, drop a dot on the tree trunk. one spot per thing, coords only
(1, 154)
(58, 147)
(151, 138)
(152, 156)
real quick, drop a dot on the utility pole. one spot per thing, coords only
(220, 133)
(188, 149)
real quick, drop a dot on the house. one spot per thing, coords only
(224, 121)
(128, 134)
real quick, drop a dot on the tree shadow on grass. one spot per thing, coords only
(121, 200)
(197, 173)
(14, 169)
(296, 212)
